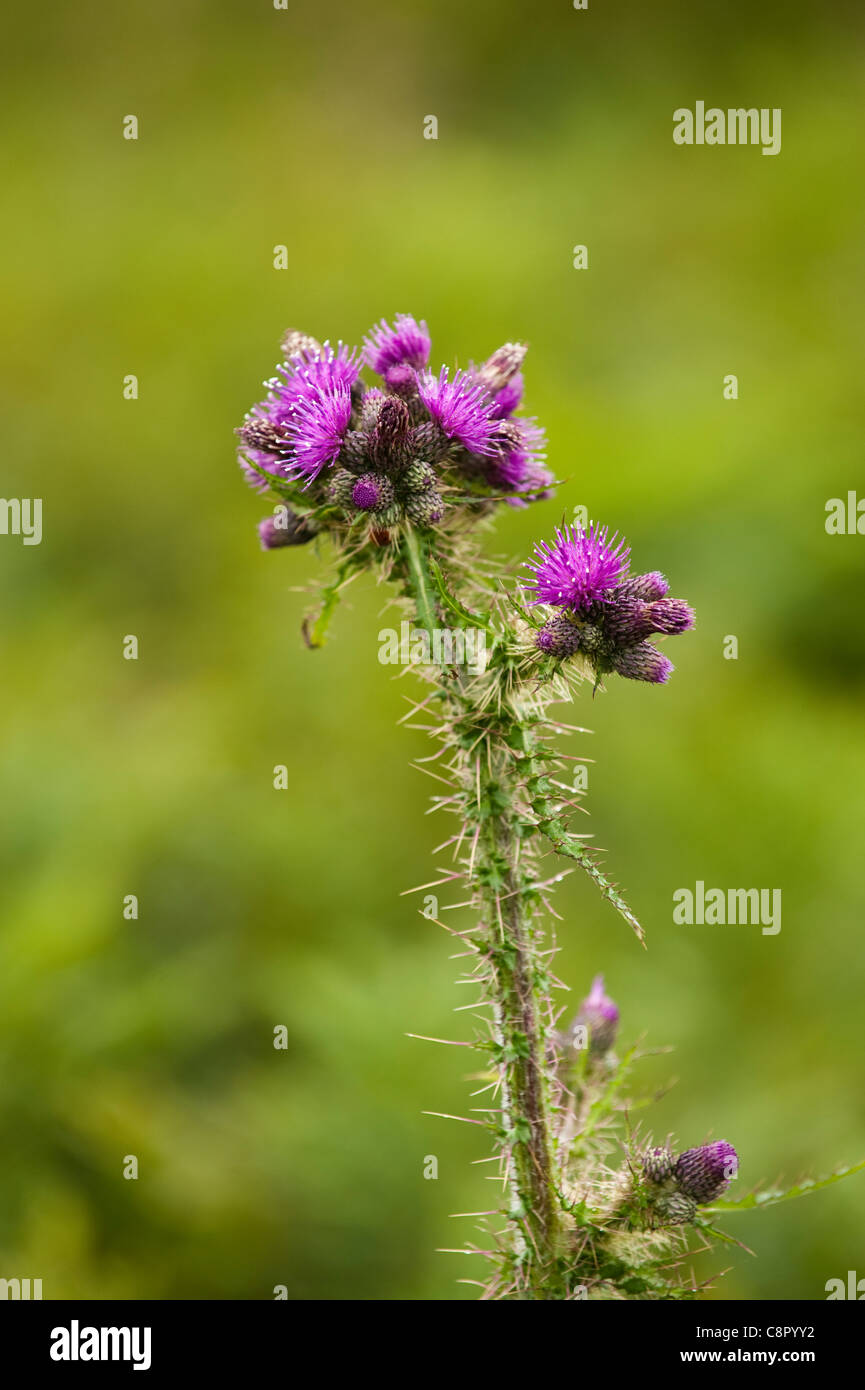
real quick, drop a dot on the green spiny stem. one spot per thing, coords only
(516, 984)
(487, 763)
(419, 579)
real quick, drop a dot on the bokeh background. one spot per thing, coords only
(153, 1037)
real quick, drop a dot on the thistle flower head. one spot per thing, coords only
(676, 1209)
(406, 343)
(303, 377)
(642, 662)
(520, 465)
(317, 426)
(658, 1165)
(353, 449)
(599, 1013)
(602, 613)
(297, 344)
(285, 527)
(704, 1173)
(389, 443)
(502, 366)
(370, 493)
(560, 637)
(462, 408)
(506, 400)
(577, 569)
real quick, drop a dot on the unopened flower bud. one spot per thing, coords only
(601, 1016)
(296, 344)
(628, 621)
(658, 1165)
(372, 492)
(388, 444)
(429, 441)
(643, 662)
(267, 438)
(676, 1209)
(402, 380)
(644, 586)
(355, 449)
(504, 364)
(340, 488)
(418, 476)
(425, 508)
(285, 527)
(706, 1172)
(370, 408)
(671, 615)
(559, 637)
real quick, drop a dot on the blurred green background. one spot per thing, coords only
(153, 1037)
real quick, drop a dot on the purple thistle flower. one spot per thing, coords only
(402, 380)
(462, 408)
(304, 379)
(521, 466)
(578, 568)
(600, 1015)
(407, 343)
(317, 426)
(508, 398)
(705, 1173)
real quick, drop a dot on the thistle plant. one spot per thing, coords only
(399, 477)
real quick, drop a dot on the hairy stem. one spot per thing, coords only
(517, 987)
(490, 746)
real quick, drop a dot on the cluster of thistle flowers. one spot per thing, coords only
(602, 613)
(677, 1184)
(405, 450)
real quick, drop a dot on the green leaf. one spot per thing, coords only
(771, 1199)
(280, 487)
(454, 604)
(571, 848)
(723, 1236)
(315, 630)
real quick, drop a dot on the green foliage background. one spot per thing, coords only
(154, 1038)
